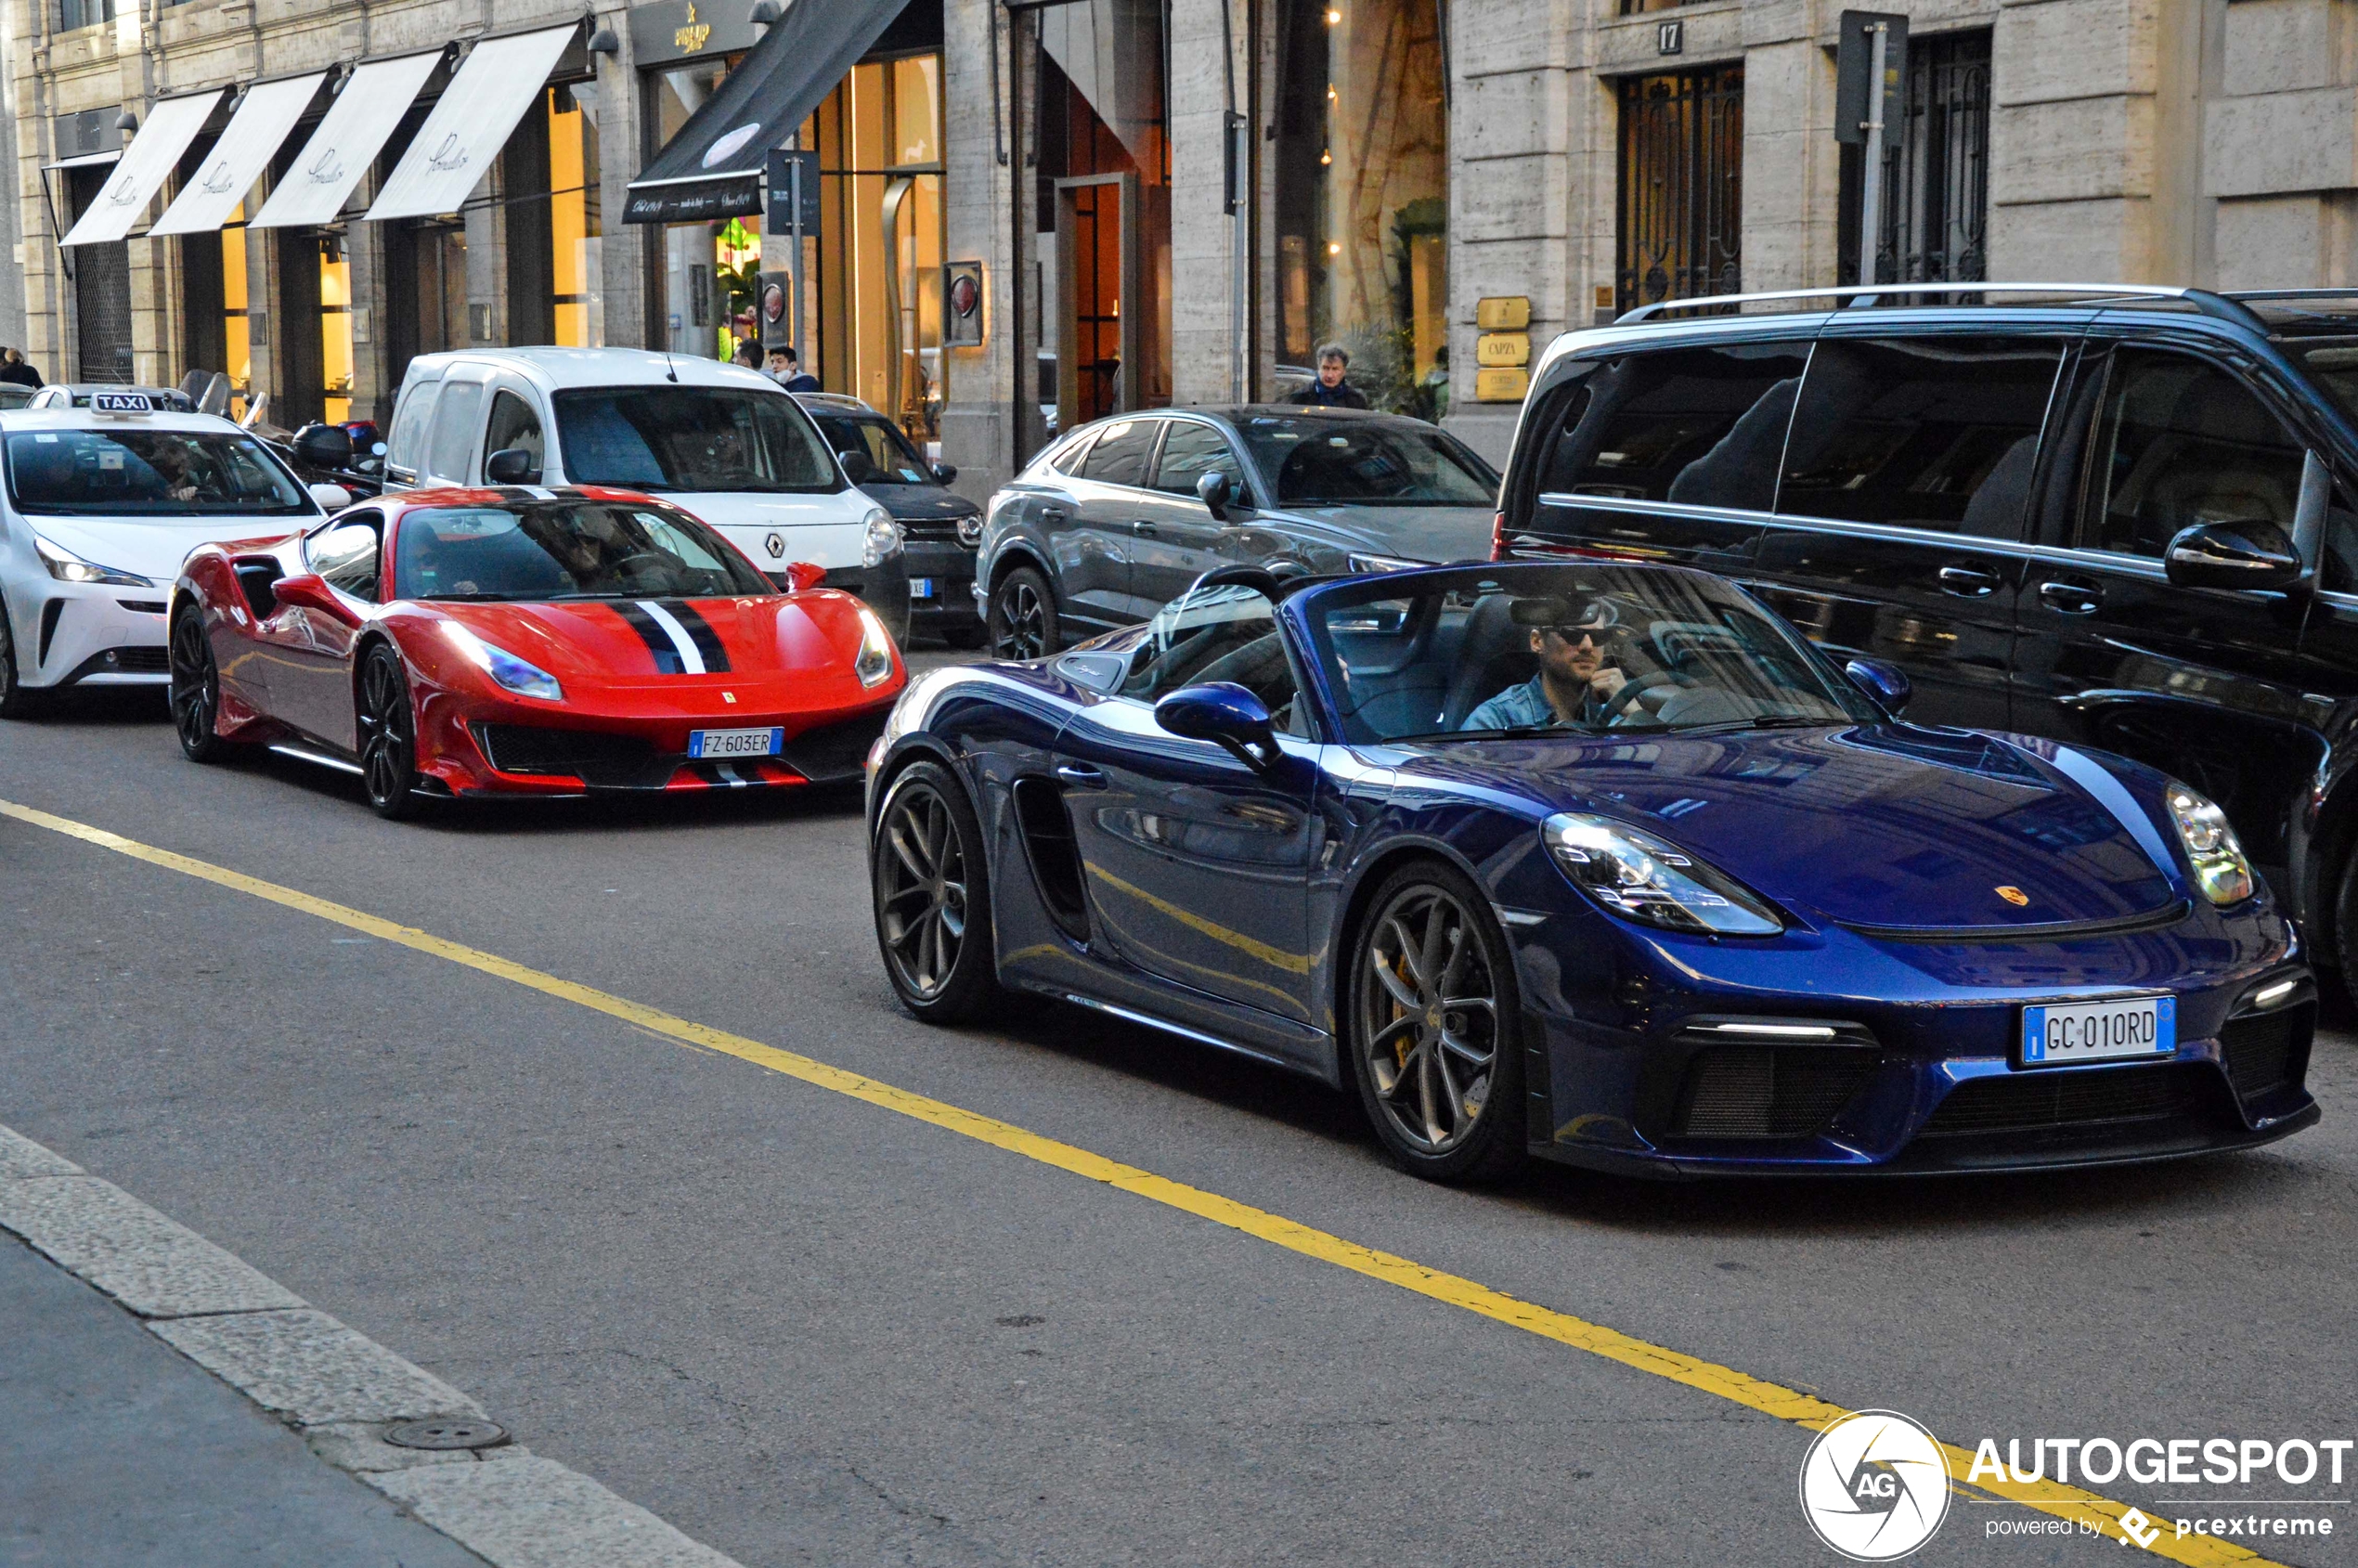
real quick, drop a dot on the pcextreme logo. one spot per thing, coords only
(1874, 1485)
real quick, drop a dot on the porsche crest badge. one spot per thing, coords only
(2015, 896)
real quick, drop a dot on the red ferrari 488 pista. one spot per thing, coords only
(521, 641)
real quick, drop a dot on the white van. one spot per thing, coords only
(725, 442)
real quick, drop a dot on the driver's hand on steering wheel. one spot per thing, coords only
(1606, 682)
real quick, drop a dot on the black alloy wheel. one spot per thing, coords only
(1023, 616)
(15, 701)
(196, 691)
(1432, 1031)
(388, 735)
(933, 899)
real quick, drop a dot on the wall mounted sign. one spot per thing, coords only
(1503, 313)
(962, 292)
(1502, 349)
(1501, 386)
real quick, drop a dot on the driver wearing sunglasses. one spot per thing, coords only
(1581, 647)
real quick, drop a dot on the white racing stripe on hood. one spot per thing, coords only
(691, 661)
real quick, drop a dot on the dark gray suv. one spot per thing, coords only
(1113, 520)
(2125, 517)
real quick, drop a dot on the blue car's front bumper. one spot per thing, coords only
(1629, 1070)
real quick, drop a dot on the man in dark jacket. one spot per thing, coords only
(1331, 390)
(14, 368)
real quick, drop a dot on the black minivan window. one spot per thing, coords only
(2179, 442)
(1701, 426)
(1936, 432)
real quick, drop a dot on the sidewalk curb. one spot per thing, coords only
(334, 1386)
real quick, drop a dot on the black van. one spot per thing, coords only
(2122, 518)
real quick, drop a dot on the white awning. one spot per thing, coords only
(171, 126)
(350, 133)
(455, 148)
(255, 132)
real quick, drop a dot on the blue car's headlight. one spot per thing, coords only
(511, 673)
(2221, 870)
(1637, 875)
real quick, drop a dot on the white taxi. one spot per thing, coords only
(100, 506)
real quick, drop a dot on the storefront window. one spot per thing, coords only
(238, 345)
(706, 265)
(335, 328)
(578, 270)
(879, 277)
(1103, 206)
(1362, 195)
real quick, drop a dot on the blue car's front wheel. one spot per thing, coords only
(933, 898)
(1432, 1028)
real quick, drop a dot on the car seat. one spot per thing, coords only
(1495, 655)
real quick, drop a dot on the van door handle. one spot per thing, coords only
(1142, 526)
(1968, 582)
(2072, 599)
(1051, 516)
(1080, 775)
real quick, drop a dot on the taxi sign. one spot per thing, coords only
(121, 402)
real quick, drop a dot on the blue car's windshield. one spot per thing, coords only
(1518, 650)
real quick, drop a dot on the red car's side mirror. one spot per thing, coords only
(803, 573)
(309, 592)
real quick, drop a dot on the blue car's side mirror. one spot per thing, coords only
(1227, 715)
(1885, 682)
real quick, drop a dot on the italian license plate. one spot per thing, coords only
(735, 743)
(921, 587)
(2062, 1033)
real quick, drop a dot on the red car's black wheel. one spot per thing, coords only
(196, 691)
(388, 735)
(933, 899)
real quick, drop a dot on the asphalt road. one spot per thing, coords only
(805, 1329)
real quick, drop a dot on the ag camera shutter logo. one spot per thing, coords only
(1874, 1485)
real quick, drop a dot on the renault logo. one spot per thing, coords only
(777, 546)
(2015, 896)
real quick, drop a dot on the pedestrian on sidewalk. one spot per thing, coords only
(14, 368)
(785, 369)
(1331, 390)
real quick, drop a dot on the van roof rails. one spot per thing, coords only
(2224, 306)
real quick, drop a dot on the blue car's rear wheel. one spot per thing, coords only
(933, 898)
(1432, 1028)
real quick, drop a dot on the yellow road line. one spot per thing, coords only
(1706, 1377)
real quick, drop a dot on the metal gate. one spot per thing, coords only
(101, 293)
(1936, 193)
(1681, 206)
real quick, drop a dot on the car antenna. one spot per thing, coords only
(671, 370)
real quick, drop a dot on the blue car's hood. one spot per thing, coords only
(1893, 826)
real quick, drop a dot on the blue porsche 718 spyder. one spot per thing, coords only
(1599, 862)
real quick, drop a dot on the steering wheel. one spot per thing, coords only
(643, 563)
(1632, 690)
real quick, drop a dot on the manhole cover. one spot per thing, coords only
(445, 1434)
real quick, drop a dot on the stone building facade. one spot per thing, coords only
(1178, 203)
